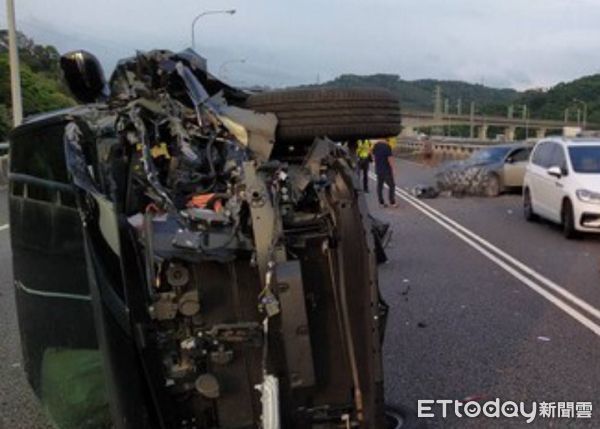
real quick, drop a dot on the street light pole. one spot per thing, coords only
(472, 120)
(223, 66)
(585, 111)
(13, 56)
(208, 12)
(525, 119)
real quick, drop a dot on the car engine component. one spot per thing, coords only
(232, 285)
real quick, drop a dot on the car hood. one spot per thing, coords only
(591, 182)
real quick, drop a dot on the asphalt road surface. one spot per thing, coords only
(483, 305)
(486, 305)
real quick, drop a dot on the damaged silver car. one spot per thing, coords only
(487, 172)
(187, 255)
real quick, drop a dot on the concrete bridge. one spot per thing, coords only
(411, 120)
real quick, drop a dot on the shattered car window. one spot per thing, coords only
(495, 154)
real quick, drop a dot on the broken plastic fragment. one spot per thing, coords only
(195, 90)
(160, 150)
(185, 239)
(269, 390)
(200, 201)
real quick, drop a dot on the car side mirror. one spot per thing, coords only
(84, 76)
(555, 171)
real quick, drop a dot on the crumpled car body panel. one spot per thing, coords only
(228, 289)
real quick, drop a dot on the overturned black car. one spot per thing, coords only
(188, 255)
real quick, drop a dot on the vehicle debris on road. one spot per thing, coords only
(488, 172)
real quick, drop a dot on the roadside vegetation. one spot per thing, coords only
(41, 84)
(541, 103)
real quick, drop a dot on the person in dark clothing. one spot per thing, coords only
(352, 146)
(384, 169)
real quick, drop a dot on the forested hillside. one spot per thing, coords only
(419, 94)
(551, 104)
(543, 104)
(41, 85)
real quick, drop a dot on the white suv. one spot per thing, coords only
(562, 184)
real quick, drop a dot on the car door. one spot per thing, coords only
(58, 337)
(537, 172)
(515, 166)
(548, 187)
(555, 185)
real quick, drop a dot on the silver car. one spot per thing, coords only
(488, 171)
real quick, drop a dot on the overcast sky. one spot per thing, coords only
(502, 43)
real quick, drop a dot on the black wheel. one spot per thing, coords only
(340, 114)
(528, 212)
(568, 221)
(493, 187)
(401, 417)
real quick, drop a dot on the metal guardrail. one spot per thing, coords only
(441, 149)
(438, 146)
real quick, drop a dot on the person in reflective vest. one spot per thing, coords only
(363, 151)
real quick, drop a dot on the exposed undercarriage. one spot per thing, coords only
(247, 283)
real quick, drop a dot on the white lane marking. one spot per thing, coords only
(531, 272)
(47, 294)
(465, 234)
(3, 227)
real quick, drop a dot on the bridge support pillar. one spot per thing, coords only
(540, 133)
(509, 133)
(482, 132)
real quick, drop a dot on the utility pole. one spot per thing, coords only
(511, 112)
(437, 112)
(525, 113)
(585, 113)
(437, 104)
(13, 56)
(446, 114)
(472, 120)
(566, 115)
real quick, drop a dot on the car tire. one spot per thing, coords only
(492, 186)
(568, 221)
(340, 114)
(528, 212)
(401, 417)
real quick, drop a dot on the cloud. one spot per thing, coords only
(510, 43)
